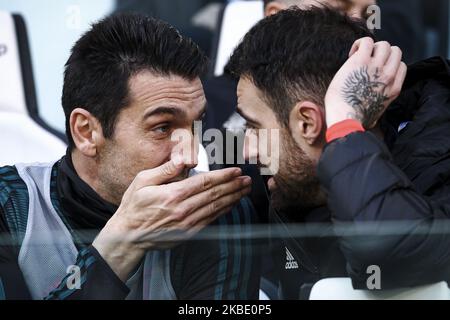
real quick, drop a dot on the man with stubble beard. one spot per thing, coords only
(324, 84)
(131, 83)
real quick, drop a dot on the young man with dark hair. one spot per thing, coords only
(294, 68)
(130, 83)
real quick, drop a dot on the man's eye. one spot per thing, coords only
(162, 129)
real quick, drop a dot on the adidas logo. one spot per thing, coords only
(290, 263)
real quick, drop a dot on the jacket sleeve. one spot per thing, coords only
(404, 233)
(97, 281)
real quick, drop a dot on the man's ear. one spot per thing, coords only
(273, 7)
(86, 132)
(307, 120)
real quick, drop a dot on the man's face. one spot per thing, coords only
(296, 183)
(159, 105)
(353, 8)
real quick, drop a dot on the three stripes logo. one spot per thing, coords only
(290, 261)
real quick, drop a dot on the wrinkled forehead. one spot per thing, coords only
(147, 89)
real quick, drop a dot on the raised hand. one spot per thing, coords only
(366, 84)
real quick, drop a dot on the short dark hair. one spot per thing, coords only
(103, 60)
(294, 54)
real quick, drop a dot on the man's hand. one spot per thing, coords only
(366, 84)
(154, 215)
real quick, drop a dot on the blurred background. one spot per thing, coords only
(419, 27)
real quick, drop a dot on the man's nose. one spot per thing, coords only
(186, 146)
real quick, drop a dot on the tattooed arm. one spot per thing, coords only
(366, 84)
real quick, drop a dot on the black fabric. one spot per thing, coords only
(82, 206)
(315, 257)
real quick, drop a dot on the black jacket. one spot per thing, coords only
(404, 178)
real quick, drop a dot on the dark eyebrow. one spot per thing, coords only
(246, 117)
(165, 110)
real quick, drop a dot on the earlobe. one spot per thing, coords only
(310, 121)
(84, 127)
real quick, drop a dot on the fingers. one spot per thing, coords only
(202, 199)
(392, 65)
(159, 175)
(211, 211)
(399, 80)
(385, 59)
(183, 217)
(381, 53)
(202, 182)
(363, 47)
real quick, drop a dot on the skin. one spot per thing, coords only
(143, 171)
(118, 161)
(385, 72)
(295, 183)
(353, 8)
(302, 143)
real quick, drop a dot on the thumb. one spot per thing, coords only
(160, 175)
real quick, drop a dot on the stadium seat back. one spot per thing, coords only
(12, 94)
(238, 18)
(24, 137)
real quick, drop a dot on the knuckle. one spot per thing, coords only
(206, 180)
(214, 193)
(383, 44)
(170, 198)
(179, 192)
(179, 214)
(167, 170)
(213, 206)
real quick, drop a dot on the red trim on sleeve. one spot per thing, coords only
(342, 129)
